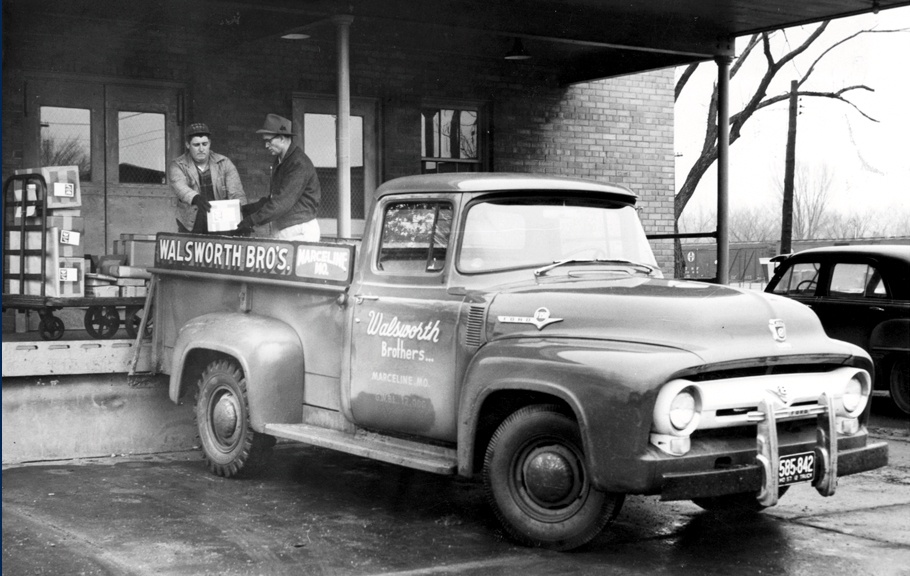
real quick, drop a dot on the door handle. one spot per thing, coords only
(359, 298)
(876, 309)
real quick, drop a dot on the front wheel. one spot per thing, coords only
(537, 481)
(229, 443)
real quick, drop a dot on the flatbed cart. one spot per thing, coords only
(102, 318)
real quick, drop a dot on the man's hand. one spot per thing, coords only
(245, 228)
(202, 203)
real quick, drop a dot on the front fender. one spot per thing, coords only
(268, 350)
(611, 387)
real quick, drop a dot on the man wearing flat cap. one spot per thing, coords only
(200, 176)
(290, 207)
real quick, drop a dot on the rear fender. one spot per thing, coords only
(268, 350)
(890, 336)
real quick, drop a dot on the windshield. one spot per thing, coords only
(531, 232)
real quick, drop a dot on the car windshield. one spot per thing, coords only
(515, 233)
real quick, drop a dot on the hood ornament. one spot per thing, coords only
(541, 319)
(778, 329)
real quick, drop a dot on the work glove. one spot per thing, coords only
(245, 228)
(202, 203)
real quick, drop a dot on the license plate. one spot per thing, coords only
(796, 468)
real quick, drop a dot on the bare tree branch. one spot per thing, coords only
(684, 79)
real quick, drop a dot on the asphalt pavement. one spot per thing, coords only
(315, 511)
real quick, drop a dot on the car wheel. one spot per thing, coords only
(899, 384)
(229, 443)
(538, 484)
(744, 502)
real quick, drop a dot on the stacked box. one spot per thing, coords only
(60, 241)
(63, 277)
(138, 248)
(63, 190)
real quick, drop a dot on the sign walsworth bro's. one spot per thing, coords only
(256, 257)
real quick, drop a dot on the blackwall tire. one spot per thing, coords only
(746, 502)
(537, 481)
(899, 384)
(229, 444)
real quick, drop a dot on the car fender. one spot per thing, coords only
(891, 335)
(268, 350)
(610, 387)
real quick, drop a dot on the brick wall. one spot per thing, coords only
(618, 130)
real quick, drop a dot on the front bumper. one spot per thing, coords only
(750, 478)
(761, 476)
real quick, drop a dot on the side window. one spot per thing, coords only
(848, 280)
(66, 138)
(415, 237)
(799, 279)
(451, 139)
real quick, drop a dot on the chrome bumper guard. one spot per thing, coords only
(768, 456)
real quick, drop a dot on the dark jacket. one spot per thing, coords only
(293, 192)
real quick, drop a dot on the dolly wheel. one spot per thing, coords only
(102, 322)
(51, 327)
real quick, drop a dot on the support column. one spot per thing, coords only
(723, 169)
(343, 125)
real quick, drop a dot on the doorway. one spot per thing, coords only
(121, 138)
(314, 126)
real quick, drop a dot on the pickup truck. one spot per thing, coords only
(514, 329)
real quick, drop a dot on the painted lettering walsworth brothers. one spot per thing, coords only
(225, 255)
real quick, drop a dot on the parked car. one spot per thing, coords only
(861, 294)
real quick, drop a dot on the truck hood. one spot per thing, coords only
(716, 323)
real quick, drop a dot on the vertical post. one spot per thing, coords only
(343, 124)
(786, 222)
(723, 164)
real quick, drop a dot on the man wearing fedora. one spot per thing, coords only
(294, 190)
(200, 176)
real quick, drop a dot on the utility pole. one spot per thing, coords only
(786, 226)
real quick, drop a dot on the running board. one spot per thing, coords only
(426, 457)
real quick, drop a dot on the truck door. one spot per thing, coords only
(403, 325)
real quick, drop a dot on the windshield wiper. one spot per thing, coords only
(543, 270)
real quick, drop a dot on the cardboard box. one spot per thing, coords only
(225, 215)
(103, 291)
(63, 190)
(133, 291)
(63, 277)
(139, 252)
(125, 271)
(60, 242)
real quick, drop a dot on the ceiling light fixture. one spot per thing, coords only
(295, 34)
(517, 52)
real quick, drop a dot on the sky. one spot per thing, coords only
(870, 161)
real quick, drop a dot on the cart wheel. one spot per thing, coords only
(134, 315)
(102, 321)
(51, 327)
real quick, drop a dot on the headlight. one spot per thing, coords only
(683, 409)
(853, 395)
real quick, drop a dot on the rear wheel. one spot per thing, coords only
(229, 443)
(537, 481)
(899, 383)
(746, 502)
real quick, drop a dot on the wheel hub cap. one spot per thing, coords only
(551, 477)
(224, 418)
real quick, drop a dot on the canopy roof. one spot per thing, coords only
(583, 39)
